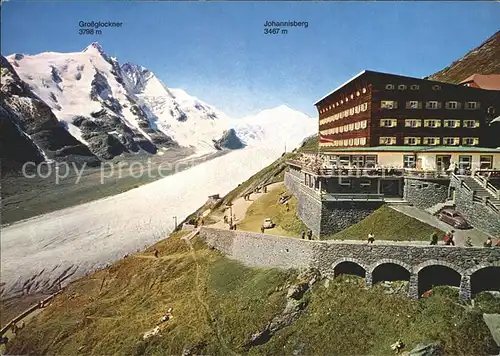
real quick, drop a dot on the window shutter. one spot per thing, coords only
(459, 105)
(420, 105)
(439, 105)
(446, 123)
(476, 123)
(476, 140)
(419, 123)
(395, 105)
(438, 123)
(407, 140)
(478, 105)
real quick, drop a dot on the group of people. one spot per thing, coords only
(309, 235)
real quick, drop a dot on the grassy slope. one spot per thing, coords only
(388, 224)
(218, 303)
(483, 59)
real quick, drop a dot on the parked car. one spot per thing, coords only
(452, 217)
(268, 224)
(284, 199)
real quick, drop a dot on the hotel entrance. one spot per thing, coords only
(443, 162)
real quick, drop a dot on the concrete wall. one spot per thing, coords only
(425, 193)
(261, 250)
(479, 215)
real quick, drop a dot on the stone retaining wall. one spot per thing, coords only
(425, 193)
(261, 250)
(337, 216)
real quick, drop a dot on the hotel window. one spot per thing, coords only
(388, 104)
(414, 87)
(452, 105)
(387, 140)
(357, 109)
(388, 122)
(352, 96)
(351, 141)
(345, 181)
(364, 107)
(401, 87)
(346, 100)
(351, 127)
(432, 105)
(491, 110)
(464, 162)
(346, 142)
(471, 123)
(341, 129)
(451, 141)
(389, 86)
(436, 87)
(452, 123)
(471, 105)
(485, 162)
(346, 128)
(431, 140)
(370, 161)
(351, 111)
(356, 142)
(341, 102)
(432, 123)
(409, 161)
(356, 125)
(413, 104)
(363, 124)
(363, 90)
(358, 93)
(412, 141)
(413, 123)
(470, 141)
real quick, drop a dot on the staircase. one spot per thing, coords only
(433, 210)
(482, 194)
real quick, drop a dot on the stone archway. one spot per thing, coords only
(349, 266)
(437, 273)
(390, 270)
(484, 278)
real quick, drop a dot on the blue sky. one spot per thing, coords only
(218, 51)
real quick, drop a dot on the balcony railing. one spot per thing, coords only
(351, 197)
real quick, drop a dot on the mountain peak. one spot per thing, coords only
(94, 46)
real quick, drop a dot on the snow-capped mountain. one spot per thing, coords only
(99, 109)
(275, 128)
(188, 120)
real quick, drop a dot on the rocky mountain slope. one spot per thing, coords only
(29, 131)
(484, 59)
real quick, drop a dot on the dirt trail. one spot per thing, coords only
(240, 206)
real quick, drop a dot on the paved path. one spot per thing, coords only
(240, 206)
(477, 237)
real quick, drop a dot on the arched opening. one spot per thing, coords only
(485, 279)
(390, 272)
(348, 267)
(437, 275)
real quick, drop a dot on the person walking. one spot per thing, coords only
(488, 242)
(449, 240)
(309, 234)
(303, 235)
(156, 253)
(262, 229)
(371, 238)
(287, 206)
(434, 238)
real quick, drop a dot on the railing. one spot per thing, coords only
(483, 180)
(352, 197)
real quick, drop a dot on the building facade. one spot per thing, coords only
(379, 109)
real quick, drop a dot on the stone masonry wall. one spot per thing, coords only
(261, 250)
(308, 206)
(479, 215)
(337, 216)
(425, 193)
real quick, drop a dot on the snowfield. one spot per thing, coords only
(76, 240)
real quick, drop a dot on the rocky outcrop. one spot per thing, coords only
(229, 140)
(294, 307)
(24, 117)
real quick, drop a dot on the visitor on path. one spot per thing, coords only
(287, 206)
(265, 189)
(303, 235)
(434, 238)
(13, 328)
(488, 242)
(156, 253)
(371, 238)
(225, 219)
(468, 241)
(262, 229)
(448, 238)
(309, 234)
